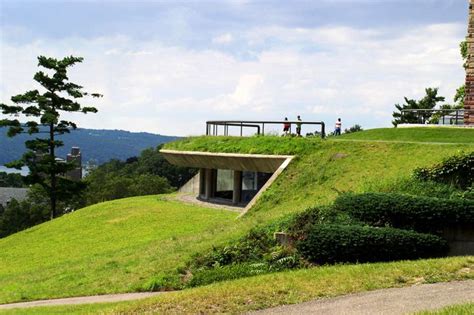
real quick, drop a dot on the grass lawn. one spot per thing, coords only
(461, 309)
(323, 169)
(424, 134)
(110, 247)
(127, 245)
(290, 287)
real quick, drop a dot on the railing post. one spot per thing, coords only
(323, 130)
(263, 129)
(207, 129)
(241, 127)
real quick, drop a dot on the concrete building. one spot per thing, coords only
(234, 179)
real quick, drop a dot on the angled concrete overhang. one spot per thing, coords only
(230, 161)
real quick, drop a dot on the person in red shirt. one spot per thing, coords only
(286, 127)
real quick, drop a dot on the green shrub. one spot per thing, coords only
(423, 214)
(304, 221)
(353, 243)
(222, 273)
(250, 248)
(457, 170)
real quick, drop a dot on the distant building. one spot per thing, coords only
(8, 193)
(76, 158)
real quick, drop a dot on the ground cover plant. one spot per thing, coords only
(155, 258)
(422, 214)
(457, 170)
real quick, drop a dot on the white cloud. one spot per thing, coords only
(318, 73)
(226, 38)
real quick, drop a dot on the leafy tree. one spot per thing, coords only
(45, 108)
(146, 174)
(355, 128)
(11, 180)
(428, 102)
(20, 215)
(461, 91)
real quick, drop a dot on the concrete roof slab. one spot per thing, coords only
(232, 161)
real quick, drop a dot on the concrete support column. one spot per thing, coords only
(202, 182)
(237, 194)
(209, 184)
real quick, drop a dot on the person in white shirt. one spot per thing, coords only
(337, 130)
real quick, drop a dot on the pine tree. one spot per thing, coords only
(45, 110)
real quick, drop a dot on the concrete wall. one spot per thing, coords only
(192, 186)
(460, 240)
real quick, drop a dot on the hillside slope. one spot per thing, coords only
(130, 244)
(118, 246)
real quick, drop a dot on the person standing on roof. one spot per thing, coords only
(286, 127)
(337, 130)
(298, 127)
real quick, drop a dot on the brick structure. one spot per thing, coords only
(469, 97)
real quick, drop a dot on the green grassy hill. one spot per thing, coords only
(116, 246)
(131, 244)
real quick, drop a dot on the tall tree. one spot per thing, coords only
(460, 92)
(45, 110)
(428, 102)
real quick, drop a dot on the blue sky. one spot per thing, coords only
(168, 66)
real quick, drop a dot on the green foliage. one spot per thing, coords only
(355, 128)
(60, 96)
(304, 221)
(20, 215)
(147, 174)
(11, 180)
(404, 211)
(113, 186)
(229, 272)
(250, 248)
(351, 243)
(429, 101)
(457, 170)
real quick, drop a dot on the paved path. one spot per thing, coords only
(82, 300)
(386, 301)
(191, 199)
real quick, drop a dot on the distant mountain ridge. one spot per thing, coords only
(96, 144)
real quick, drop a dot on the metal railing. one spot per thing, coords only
(212, 127)
(435, 116)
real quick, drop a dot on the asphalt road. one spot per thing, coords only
(386, 301)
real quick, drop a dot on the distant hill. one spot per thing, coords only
(100, 145)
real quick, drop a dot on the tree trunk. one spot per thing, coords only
(52, 193)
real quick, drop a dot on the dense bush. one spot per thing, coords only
(353, 243)
(11, 180)
(457, 170)
(249, 248)
(422, 214)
